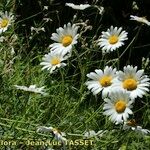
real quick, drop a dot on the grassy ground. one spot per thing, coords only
(69, 106)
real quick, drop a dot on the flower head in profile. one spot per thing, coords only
(133, 80)
(118, 106)
(140, 19)
(93, 134)
(131, 124)
(60, 136)
(32, 88)
(64, 39)
(53, 60)
(78, 7)
(6, 20)
(101, 80)
(112, 39)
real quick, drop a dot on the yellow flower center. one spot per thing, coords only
(120, 106)
(113, 39)
(66, 40)
(130, 84)
(55, 61)
(105, 81)
(4, 23)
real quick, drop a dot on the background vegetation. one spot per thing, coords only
(69, 106)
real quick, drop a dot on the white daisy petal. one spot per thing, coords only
(78, 7)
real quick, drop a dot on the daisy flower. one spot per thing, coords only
(32, 88)
(65, 38)
(133, 80)
(92, 134)
(140, 19)
(60, 136)
(78, 7)
(131, 124)
(101, 80)
(117, 106)
(5, 21)
(53, 60)
(112, 39)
